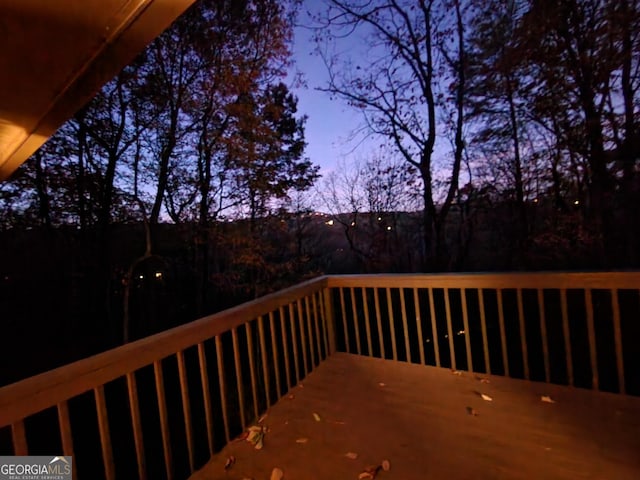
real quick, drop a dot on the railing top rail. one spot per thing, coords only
(34, 394)
(527, 280)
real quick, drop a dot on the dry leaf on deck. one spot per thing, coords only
(277, 474)
(351, 455)
(456, 372)
(229, 463)
(547, 399)
(316, 417)
(386, 465)
(485, 397)
(302, 440)
(369, 472)
(482, 379)
(292, 396)
(472, 411)
(256, 436)
(381, 384)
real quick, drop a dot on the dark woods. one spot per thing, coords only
(508, 136)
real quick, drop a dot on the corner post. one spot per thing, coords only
(328, 314)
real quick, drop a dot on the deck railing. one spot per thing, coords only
(177, 397)
(259, 349)
(578, 329)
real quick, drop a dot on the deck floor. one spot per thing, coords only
(419, 421)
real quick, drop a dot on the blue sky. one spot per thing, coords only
(330, 122)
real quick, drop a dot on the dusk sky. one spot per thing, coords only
(330, 122)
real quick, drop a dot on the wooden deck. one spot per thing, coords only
(418, 418)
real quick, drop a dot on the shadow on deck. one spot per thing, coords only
(419, 419)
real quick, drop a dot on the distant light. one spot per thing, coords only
(330, 222)
(577, 202)
(141, 277)
(428, 340)
(158, 274)
(353, 224)
(460, 332)
(446, 336)
(379, 219)
(389, 227)
(535, 200)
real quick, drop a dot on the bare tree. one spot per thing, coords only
(398, 87)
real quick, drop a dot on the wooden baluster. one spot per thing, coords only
(416, 302)
(312, 351)
(252, 370)
(325, 315)
(223, 387)
(356, 325)
(164, 420)
(206, 395)
(434, 328)
(567, 335)
(105, 436)
(344, 321)
(239, 384)
(303, 338)
(274, 351)
(483, 326)
(186, 407)
(376, 300)
(617, 336)
(285, 350)
(543, 334)
(367, 325)
(392, 324)
(316, 325)
(136, 423)
(503, 336)
(467, 331)
(19, 439)
(263, 355)
(523, 335)
(294, 340)
(405, 325)
(591, 332)
(447, 310)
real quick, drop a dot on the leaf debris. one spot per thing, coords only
(231, 460)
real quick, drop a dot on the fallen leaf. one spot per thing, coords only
(456, 372)
(472, 411)
(256, 436)
(386, 465)
(316, 417)
(547, 399)
(302, 440)
(382, 384)
(291, 397)
(370, 472)
(485, 397)
(336, 422)
(482, 379)
(277, 474)
(351, 455)
(229, 463)
(301, 386)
